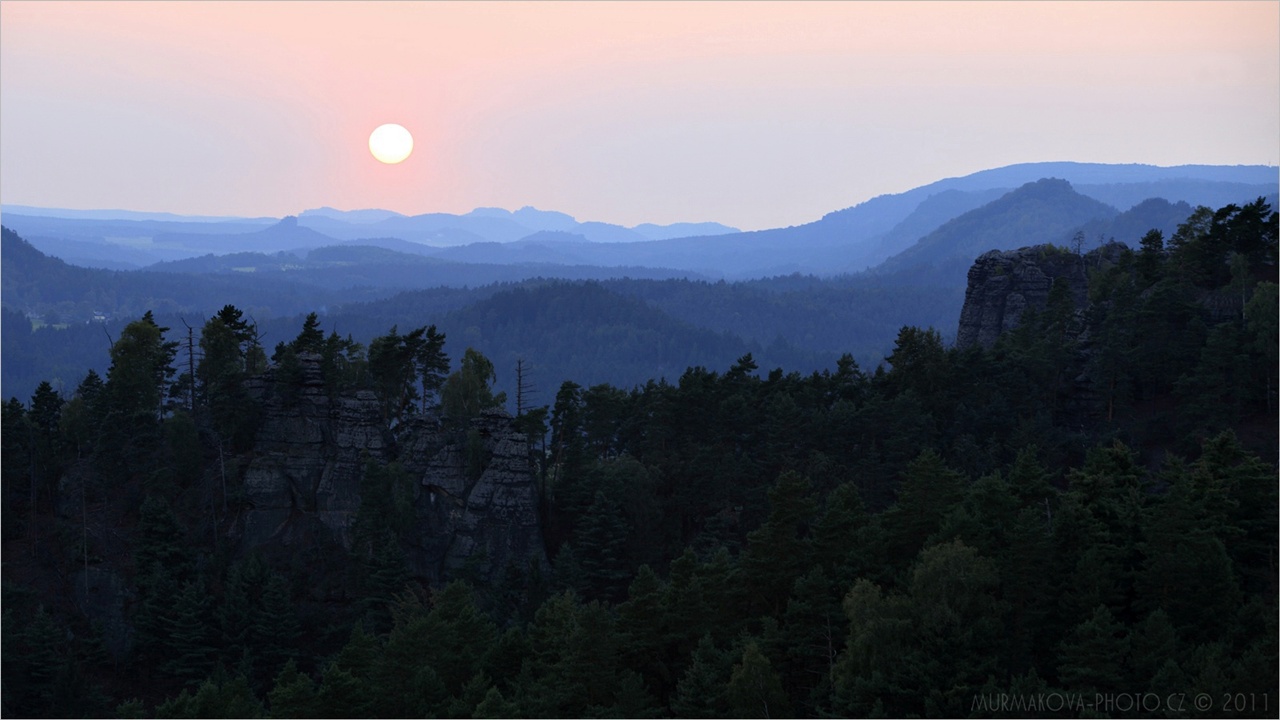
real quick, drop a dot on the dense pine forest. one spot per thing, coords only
(1080, 519)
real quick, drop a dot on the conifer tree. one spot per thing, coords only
(813, 634)
(234, 616)
(226, 342)
(754, 689)
(293, 695)
(778, 551)
(1185, 569)
(275, 630)
(842, 535)
(342, 694)
(600, 547)
(47, 452)
(1152, 645)
(467, 392)
(392, 368)
(190, 642)
(1092, 656)
(134, 400)
(701, 692)
(464, 703)
(458, 635)
(311, 338)
(928, 492)
(642, 633)
(215, 698)
(494, 705)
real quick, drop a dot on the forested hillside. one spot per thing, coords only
(656, 327)
(1080, 516)
(278, 271)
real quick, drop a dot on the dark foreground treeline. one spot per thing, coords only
(1076, 521)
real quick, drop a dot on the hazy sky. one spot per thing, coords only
(754, 114)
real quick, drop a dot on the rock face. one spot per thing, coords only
(303, 479)
(1005, 284)
(477, 502)
(475, 496)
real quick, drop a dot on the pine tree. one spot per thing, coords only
(778, 551)
(467, 392)
(928, 492)
(1025, 568)
(632, 699)
(1239, 495)
(842, 535)
(215, 698)
(813, 634)
(343, 695)
(754, 689)
(47, 452)
(141, 366)
(134, 400)
(958, 619)
(190, 641)
(311, 338)
(1100, 517)
(393, 370)
(225, 344)
(600, 547)
(1152, 645)
(459, 636)
(35, 664)
(1092, 656)
(641, 630)
(161, 543)
(495, 705)
(293, 695)
(1151, 257)
(702, 688)
(234, 616)
(15, 465)
(275, 629)
(464, 703)
(433, 366)
(1185, 568)
(545, 683)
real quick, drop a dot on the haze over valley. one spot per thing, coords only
(798, 296)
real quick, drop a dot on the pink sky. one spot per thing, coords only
(753, 114)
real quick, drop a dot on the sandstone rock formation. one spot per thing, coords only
(477, 506)
(1005, 284)
(475, 495)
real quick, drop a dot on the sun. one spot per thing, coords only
(390, 143)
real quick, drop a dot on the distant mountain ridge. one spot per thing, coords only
(849, 240)
(157, 237)
(1039, 212)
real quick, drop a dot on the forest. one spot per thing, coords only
(1079, 520)
(654, 328)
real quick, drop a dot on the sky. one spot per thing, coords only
(753, 114)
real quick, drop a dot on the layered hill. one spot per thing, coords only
(801, 307)
(1045, 211)
(847, 240)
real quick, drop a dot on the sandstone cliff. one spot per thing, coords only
(302, 482)
(1005, 284)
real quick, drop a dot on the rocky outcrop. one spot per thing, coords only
(1005, 284)
(478, 500)
(475, 497)
(302, 482)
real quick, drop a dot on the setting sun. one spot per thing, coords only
(390, 143)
